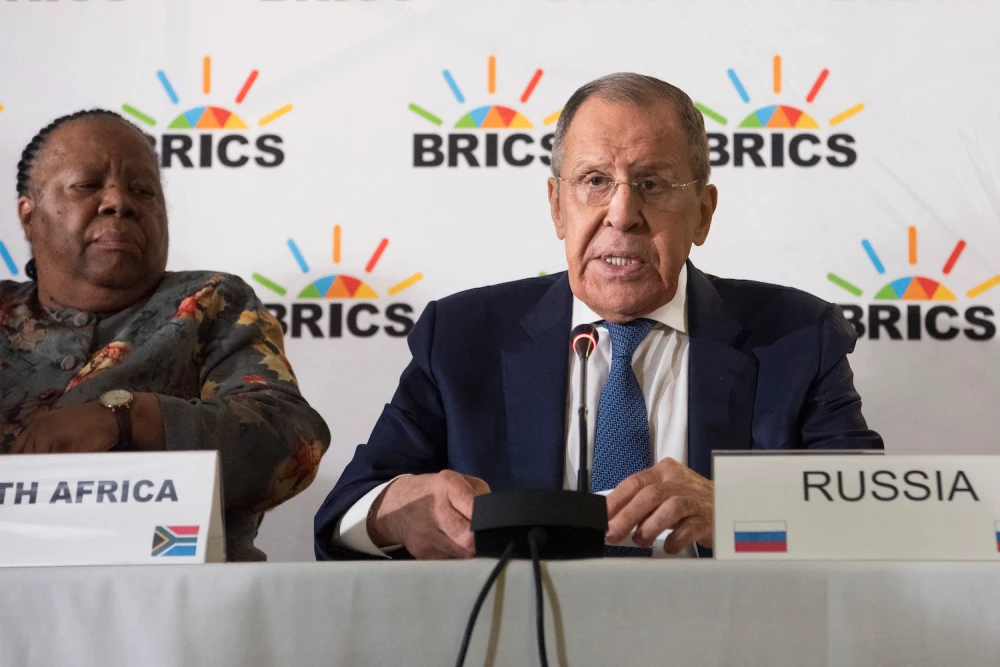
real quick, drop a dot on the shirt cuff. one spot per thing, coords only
(351, 530)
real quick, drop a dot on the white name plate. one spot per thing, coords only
(110, 509)
(857, 506)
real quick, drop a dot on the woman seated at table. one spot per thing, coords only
(104, 349)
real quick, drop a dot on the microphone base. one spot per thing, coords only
(574, 523)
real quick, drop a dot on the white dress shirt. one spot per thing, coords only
(661, 367)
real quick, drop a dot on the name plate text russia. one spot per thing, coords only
(853, 506)
(110, 509)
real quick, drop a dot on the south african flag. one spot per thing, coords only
(175, 540)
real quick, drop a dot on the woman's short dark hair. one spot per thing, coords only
(37, 142)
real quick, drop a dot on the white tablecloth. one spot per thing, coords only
(687, 613)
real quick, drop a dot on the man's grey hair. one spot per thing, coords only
(642, 91)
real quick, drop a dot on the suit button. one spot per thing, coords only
(69, 362)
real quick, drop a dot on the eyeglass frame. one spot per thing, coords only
(617, 183)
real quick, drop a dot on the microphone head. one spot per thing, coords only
(583, 339)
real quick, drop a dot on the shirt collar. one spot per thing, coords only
(672, 314)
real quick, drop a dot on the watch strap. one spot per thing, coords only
(123, 416)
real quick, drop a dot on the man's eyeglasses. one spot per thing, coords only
(654, 191)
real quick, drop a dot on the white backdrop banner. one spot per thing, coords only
(354, 159)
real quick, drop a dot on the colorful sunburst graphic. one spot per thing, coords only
(4, 253)
(338, 285)
(207, 117)
(914, 287)
(490, 116)
(779, 116)
(8, 260)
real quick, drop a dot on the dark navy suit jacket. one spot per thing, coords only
(486, 391)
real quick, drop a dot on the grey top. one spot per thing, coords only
(212, 354)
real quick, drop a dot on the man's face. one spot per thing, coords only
(625, 255)
(96, 214)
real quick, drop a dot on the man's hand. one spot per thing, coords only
(90, 427)
(668, 495)
(427, 514)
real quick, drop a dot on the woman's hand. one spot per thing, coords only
(90, 427)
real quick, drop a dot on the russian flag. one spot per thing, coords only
(996, 527)
(761, 536)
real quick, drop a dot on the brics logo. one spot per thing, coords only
(222, 139)
(938, 321)
(803, 149)
(518, 148)
(350, 300)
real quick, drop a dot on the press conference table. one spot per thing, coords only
(613, 612)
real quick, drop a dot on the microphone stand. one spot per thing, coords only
(565, 524)
(582, 473)
(542, 523)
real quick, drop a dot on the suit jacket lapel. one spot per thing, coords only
(722, 378)
(535, 376)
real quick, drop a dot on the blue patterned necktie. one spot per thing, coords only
(621, 437)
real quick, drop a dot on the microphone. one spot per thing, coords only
(573, 523)
(583, 338)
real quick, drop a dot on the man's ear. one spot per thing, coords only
(709, 200)
(555, 209)
(25, 210)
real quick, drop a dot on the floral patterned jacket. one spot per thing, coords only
(206, 346)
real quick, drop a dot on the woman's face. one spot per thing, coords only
(95, 215)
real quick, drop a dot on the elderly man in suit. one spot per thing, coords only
(686, 363)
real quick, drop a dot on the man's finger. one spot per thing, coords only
(429, 547)
(669, 515)
(627, 490)
(433, 538)
(461, 493)
(478, 486)
(641, 506)
(688, 531)
(465, 543)
(456, 535)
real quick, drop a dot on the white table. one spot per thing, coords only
(686, 613)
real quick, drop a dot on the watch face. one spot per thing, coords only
(116, 398)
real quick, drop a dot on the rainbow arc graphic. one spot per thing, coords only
(207, 117)
(914, 287)
(490, 116)
(338, 285)
(779, 116)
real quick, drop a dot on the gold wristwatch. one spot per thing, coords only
(119, 401)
